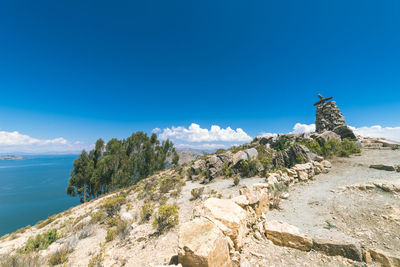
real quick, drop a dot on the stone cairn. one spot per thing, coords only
(330, 118)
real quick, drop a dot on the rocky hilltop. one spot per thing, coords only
(286, 200)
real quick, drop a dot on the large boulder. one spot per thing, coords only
(238, 157)
(291, 156)
(257, 197)
(214, 162)
(326, 136)
(226, 157)
(286, 235)
(344, 132)
(252, 153)
(228, 216)
(348, 248)
(198, 166)
(202, 244)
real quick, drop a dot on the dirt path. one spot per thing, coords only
(325, 207)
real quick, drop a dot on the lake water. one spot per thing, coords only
(32, 189)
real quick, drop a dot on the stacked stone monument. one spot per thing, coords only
(329, 118)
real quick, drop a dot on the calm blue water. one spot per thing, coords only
(33, 189)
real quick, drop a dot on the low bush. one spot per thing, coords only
(145, 212)
(248, 168)
(113, 205)
(98, 217)
(227, 170)
(275, 193)
(348, 148)
(96, 260)
(20, 260)
(236, 181)
(40, 241)
(122, 228)
(111, 234)
(196, 193)
(60, 257)
(166, 218)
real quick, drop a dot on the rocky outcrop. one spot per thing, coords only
(299, 172)
(329, 118)
(256, 196)
(228, 216)
(202, 244)
(384, 167)
(349, 248)
(385, 259)
(291, 156)
(284, 234)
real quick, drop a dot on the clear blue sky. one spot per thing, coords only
(88, 69)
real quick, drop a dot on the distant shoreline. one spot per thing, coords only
(11, 157)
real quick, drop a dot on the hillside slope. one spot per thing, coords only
(127, 227)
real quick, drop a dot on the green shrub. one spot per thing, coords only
(96, 260)
(227, 170)
(282, 143)
(169, 183)
(196, 193)
(236, 181)
(20, 260)
(113, 205)
(60, 257)
(248, 168)
(98, 217)
(41, 224)
(265, 156)
(275, 192)
(348, 148)
(122, 228)
(111, 234)
(312, 145)
(166, 218)
(146, 211)
(40, 241)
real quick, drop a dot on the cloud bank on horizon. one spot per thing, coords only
(15, 142)
(195, 137)
(192, 137)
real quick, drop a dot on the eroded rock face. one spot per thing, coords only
(286, 235)
(202, 244)
(383, 258)
(291, 156)
(257, 197)
(346, 248)
(228, 216)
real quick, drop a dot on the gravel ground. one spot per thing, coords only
(324, 207)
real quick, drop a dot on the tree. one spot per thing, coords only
(79, 183)
(175, 158)
(119, 163)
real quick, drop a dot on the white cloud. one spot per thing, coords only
(196, 134)
(303, 128)
(15, 142)
(156, 130)
(392, 133)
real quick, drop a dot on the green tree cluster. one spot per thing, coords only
(118, 164)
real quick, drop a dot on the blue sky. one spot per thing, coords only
(81, 70)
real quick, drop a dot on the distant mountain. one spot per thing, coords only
(186, 155)
(11, 157)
